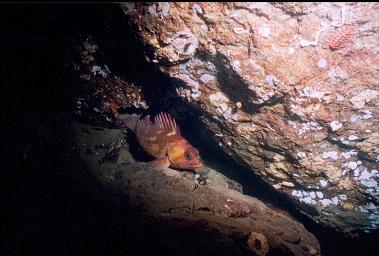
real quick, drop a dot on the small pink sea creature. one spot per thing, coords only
(341, 37)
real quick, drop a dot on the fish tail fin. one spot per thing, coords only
(130, 120)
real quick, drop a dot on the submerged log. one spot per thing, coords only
(170, 195)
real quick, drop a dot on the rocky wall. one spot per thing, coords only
(290, 90)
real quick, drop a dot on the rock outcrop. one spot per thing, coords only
(290, 90)
(218, 208)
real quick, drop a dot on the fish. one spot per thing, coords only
(162, 139)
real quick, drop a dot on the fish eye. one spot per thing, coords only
(187, 155)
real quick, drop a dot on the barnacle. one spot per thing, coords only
(258, 244)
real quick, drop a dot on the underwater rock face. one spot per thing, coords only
(303, 115)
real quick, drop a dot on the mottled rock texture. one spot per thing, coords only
(289, 93)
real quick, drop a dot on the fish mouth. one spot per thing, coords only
(198, 165)
(189, 165)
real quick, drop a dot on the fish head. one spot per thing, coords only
(184, 156)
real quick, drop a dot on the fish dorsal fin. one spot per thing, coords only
(144, 125)
(167, 123)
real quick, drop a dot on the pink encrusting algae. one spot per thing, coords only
(341, 37)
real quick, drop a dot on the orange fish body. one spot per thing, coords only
(162, 140)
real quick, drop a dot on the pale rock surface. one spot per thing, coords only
(300, 102)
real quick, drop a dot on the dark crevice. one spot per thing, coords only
(290, 115)
(236, 89)
(282, 152)
(292, 13)
(333, 139)
(233, 86)
(205, 209)
(217, 159)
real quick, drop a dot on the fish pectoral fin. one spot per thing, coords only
(162, 163)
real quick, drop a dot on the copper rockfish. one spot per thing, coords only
(162, 140)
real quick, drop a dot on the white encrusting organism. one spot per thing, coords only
(264, 31)
(335, 125)
(319, 194)
(348, 154)
(205, 78)
(331, 154)
(352, 137)
(305, 43)
(322, 63)
(323, 183)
